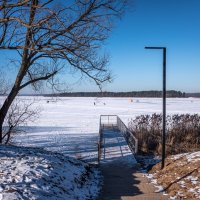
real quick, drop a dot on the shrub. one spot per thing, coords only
(183, 133)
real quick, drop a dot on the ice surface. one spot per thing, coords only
(71, 125)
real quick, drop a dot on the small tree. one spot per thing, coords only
(19, 114)
(47, 32)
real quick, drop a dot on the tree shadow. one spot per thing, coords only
(117, 167)
(115, 148)
(179, 179)
(67, 140)
(119, 182)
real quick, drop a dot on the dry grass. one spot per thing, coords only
(180, 177)
(183, 133)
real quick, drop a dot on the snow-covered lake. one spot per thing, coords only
(70, 124)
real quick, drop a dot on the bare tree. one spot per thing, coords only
(19, 114)
(4, 84)
(51, 35)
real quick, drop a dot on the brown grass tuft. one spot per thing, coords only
(183, 133)
(180, 177)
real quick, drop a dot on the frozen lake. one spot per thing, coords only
(70, 124)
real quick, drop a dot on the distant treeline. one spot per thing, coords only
(170, 93)
(197, 95)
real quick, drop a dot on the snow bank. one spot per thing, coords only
(30, 173)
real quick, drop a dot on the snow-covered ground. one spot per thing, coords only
(71, 125)
(32, 173)
(115, 149)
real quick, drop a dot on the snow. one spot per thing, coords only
(147, 162)
(70, 125)
(116, 149)
(178, 156)
(30, 173)
(159, 189)
(193, 157)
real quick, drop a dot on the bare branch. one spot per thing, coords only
(19, 114)
(43, 78)
(51, 31)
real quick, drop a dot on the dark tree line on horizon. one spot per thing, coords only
(153, 93)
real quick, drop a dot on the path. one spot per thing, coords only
(122, 181)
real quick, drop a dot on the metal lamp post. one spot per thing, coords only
(164, 102)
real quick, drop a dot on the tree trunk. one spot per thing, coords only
(22, 72)
(13, 93)
(1, 126)
(4, 109)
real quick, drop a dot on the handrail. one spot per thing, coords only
(130, 138)
(114, 120)
(108, 119)
(99, 141)
(102, 124)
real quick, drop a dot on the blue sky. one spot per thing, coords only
(171, 23)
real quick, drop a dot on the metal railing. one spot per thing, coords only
(99, 141)
(113, 121)
(130, 138)
(108, 120)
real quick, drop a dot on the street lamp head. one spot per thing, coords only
(155, 47)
